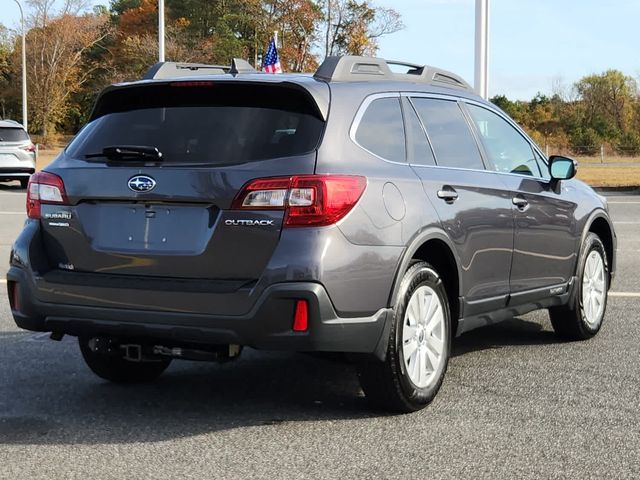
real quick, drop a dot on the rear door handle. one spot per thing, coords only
(520, 202)
(448, 194)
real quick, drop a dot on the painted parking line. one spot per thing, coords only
(3, 280)
(625, 294)
(12, 213)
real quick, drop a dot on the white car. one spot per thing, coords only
(17, 153)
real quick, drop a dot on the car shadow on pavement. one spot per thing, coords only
(48, 395)
(512, 332)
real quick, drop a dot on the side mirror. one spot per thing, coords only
(562, 168)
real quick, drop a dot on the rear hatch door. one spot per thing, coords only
(170, 215)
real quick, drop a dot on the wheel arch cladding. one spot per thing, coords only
(440, 256)
(600, 226)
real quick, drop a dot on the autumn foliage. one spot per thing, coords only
(72, 53)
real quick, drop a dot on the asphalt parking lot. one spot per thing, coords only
(515, 403)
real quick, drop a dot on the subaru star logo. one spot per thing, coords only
(141, 183)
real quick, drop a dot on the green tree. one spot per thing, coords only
(606, 101)
(354, 27)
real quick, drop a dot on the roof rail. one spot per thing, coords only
(163, 70)
(361, 69)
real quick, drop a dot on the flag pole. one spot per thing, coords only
(481, 80)
(161, 30)
(275, 37)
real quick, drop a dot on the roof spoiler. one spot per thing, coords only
(350, 68)
(165, 70)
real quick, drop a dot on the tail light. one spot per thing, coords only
(44, 188)
(29, 148)
(309, 200)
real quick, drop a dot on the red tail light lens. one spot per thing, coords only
(29, 148)
(44, 188)
(301, 317)
(309, 200)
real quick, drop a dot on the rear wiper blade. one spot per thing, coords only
(122, 152)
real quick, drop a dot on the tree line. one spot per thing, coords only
(73, 52)
(597, 110)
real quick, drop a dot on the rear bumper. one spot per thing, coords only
(16, 162)
(268, 325)
(18, 172)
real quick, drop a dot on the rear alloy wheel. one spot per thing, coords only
(582, 318)
(118, 370)
(419, 345)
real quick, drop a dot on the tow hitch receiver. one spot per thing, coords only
(132, 352)
(148, 352)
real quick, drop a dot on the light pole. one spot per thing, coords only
(24, 69)
(481, 81)
(161, 30)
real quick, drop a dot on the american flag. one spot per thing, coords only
(271, 62)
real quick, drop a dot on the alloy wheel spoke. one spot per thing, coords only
(434, 359)
(436, 345)
(435, 320)
(409, 348)
(422, 358)
(409, 332)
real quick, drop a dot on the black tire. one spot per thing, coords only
(388, 384)
(24, 182)
(570, 321)
(119, 370)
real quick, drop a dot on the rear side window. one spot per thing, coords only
(207, 123)
(419, 150)
(381, 130)
(452, 141)
(11, 134)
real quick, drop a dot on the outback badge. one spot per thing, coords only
(141, 183)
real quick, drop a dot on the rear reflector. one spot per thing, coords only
(301, 317)
(309, 200)
(14, 299)
(44, 188)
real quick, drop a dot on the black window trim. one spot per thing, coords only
(464, 100)
(457, 100)
(405, 102)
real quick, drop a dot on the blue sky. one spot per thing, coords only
(532, 42)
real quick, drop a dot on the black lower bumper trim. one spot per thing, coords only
(268, 325)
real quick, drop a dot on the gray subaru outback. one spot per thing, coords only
(205, 209)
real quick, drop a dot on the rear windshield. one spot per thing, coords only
(11, 134)
(204, 123)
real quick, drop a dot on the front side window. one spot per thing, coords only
(507, 149)
(452, 141)
(381, 130)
